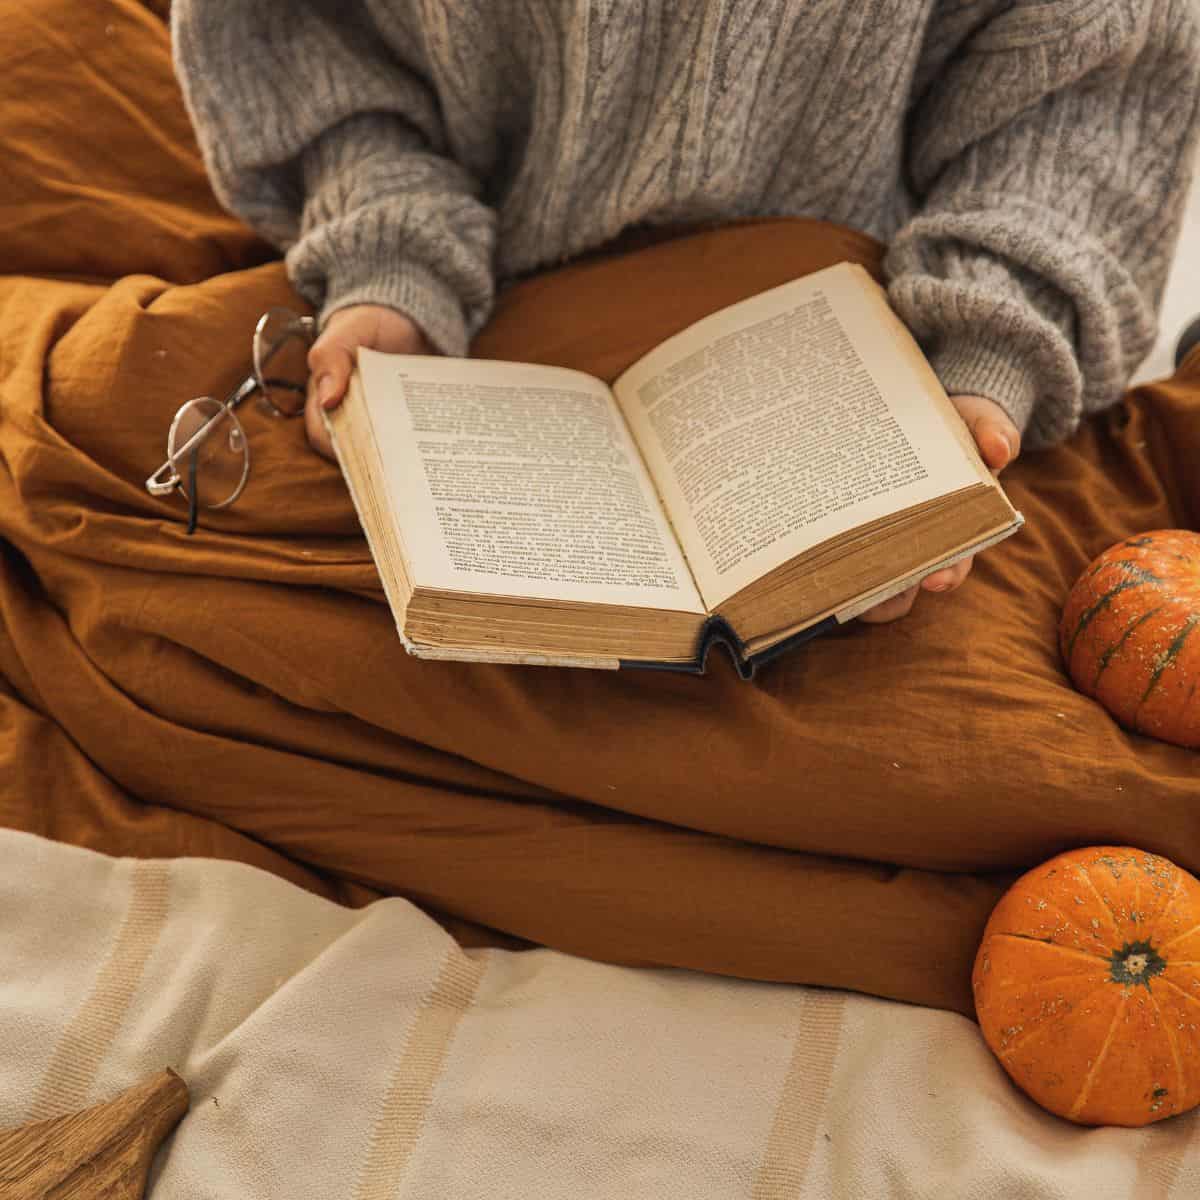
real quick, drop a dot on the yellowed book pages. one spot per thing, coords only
(517, 480)
(787, 419)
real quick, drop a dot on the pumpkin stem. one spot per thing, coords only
(1136, 962)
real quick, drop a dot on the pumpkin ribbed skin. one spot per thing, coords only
(1130, 634)
(1087, 986)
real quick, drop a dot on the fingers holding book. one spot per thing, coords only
(999, 443)
(998, 439)
(332, 358)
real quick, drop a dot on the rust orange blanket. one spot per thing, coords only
(847, 820)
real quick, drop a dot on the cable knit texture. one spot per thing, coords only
(1026, 162)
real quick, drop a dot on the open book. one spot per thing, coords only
(770, 471)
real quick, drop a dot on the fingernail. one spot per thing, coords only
(325, 389)
(938, 587)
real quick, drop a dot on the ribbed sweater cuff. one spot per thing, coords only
(408, 287)
(975, 366)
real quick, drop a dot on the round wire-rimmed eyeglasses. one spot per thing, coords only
(208, 456)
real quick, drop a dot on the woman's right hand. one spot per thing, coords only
(331, 358)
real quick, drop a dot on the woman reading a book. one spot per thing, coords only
(1026, 164)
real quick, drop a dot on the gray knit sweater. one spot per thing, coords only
(1026, 161)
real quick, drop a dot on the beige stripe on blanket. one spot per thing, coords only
(402, 1114)
(360, 1054)
(68, 1082)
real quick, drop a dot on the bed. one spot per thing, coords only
(820, 848)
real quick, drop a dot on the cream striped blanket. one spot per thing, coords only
(339, 1054)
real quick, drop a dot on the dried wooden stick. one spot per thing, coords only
(101, 1153)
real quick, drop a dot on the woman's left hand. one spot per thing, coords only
(999, 444)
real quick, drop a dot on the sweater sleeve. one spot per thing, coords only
(329, 143)
(1051, 158)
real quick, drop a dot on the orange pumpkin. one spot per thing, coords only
(1130, 634)
(1087, 986)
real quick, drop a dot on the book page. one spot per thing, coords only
(787, 419)
(517, 480)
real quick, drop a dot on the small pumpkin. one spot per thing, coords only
(1130, 634)
(1087, 986)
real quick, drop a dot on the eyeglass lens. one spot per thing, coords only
(222, 459)
(281, 361)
